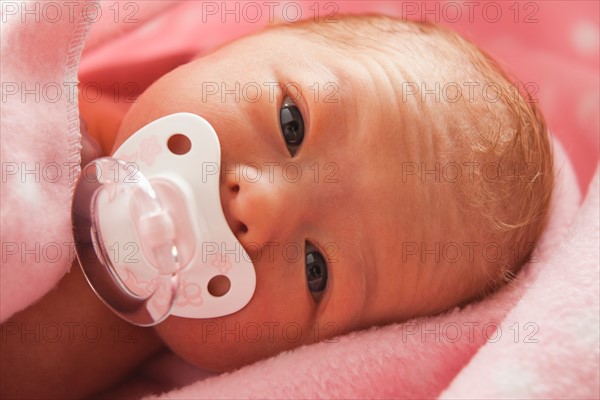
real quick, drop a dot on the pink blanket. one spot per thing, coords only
(538, 337)
(40, 149)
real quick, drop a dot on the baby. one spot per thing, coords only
(420, 181)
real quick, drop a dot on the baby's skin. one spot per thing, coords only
(337, 243)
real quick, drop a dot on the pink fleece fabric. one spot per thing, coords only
(40, 148)
(538, 337)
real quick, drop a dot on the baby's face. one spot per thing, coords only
(324, 217)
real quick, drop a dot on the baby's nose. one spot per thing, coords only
(257, 204)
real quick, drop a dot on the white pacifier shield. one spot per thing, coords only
(187, 186)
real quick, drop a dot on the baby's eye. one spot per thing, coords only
(316, 271)
(292, 125)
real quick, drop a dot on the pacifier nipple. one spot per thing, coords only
(158, 232)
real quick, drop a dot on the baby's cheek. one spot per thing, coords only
(218, 344)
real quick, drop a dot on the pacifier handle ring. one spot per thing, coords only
(91, 252)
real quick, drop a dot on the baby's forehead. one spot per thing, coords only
(422, 55)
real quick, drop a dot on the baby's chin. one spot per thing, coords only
(201, 342)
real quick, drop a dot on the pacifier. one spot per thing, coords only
(150, 233)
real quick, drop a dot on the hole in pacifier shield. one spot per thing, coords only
(179, 144)
(219, 285)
